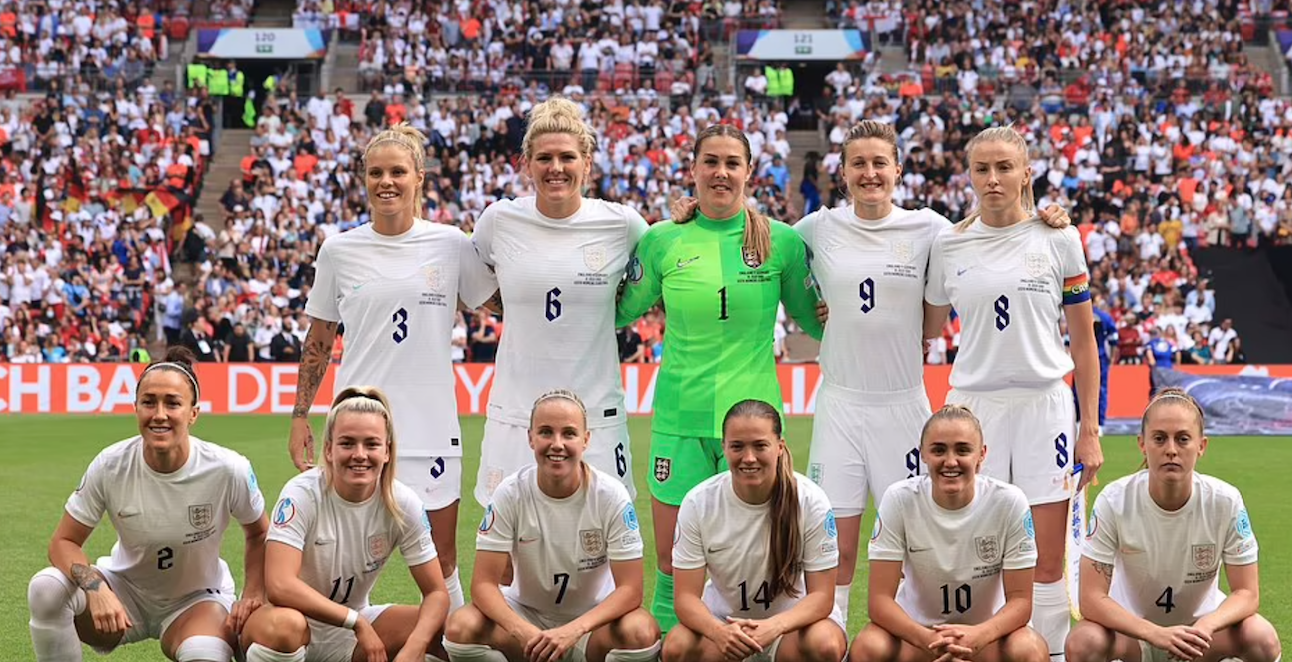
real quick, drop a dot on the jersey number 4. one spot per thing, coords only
(1167, 600)
(762, 596)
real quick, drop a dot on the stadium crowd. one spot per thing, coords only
(1147, 170)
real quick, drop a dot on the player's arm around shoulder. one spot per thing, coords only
(644, 279)
(798, 286)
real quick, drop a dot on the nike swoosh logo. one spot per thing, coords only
(356, 287)
(322, 542)
(959, 272)
(715, 550)
(917, 550)
(127, 513)
(524, 541)
(682, 264)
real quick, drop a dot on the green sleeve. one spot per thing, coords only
(798, 287)
(643, 283)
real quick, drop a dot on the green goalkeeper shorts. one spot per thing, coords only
(680, 463)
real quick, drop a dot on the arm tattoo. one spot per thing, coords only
(86, 577)
(315, 357)
(1105, 569)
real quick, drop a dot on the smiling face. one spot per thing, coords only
(752, 449)
(392, 179)
(953, 450)
(557, 167)
(721, 169)
(559, 435)
(870, 169)
(998, 171)
(165, 409)
(358, 451)
(1172, 441)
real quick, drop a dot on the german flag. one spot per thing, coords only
(161, 202)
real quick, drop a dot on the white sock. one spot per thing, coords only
(54, 602)
(471, 653)
(258, 653)
(842, 592)
(456, 601)
(639, 655)
(1052, 616)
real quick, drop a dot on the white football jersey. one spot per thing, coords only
(1166, 564)
(169, 526)
(871, 274)
(729, 539)
(397, 298)
(1007, 284)
(558, 279)
(953, 560)
(344, 545)
(561, 549)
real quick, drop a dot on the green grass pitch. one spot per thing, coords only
(46, 455)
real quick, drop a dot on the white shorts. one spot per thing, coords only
(150, 617)
(1031, 438)
(864, 442)
(578, 653)
(329, 643)
(436, 480)
(505, 450)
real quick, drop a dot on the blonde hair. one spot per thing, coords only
(1174, 395)
(558, 115)
(1007, 135)
(567, 396)
(872, 129)
(951, 413)
(785, 541)
(758, 229)
(367, 400)
(408, 137)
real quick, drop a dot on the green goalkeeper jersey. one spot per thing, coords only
(720, 308)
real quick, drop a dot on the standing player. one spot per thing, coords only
(951, 559)
(1150, 584)
(572, 537)
(396, 283)
(559, 258)
(721, 277)
(766, 537)
(170, 497)
(1010, 278)
(334, 528)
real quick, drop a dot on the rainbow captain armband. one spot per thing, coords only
(1076, 289)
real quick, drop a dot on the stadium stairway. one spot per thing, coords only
(1253, 288)
(801, 142)
(227, 166)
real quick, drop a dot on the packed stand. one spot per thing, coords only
(86, 252)
(655, 45)
(57, 46)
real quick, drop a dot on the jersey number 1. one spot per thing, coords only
(722, 308)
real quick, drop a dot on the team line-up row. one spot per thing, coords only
(755, 555)
(569, 269)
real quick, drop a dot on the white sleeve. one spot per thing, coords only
(806, 227)
(1020, 535)
(688, 539)
(623, 532)
(88, 502)
(293, 516)
(482, 235)
(476, 282)
(245, 500)
(820, 535)
(1240, 542)
(497, 531)
(888, 538)
(1101, 536)
(637, 227)
(322, 303)
(1072, 257)
(935, 287)
(415, 545)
